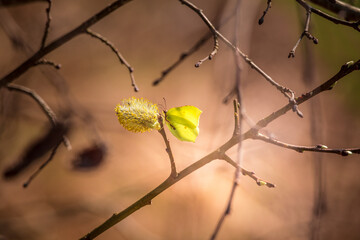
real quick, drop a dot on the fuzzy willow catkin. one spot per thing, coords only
(138, 115)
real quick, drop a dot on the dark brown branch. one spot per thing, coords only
(60, 41)
(8, 3)
(15, 32)
(350, 13)
(261, 19)
(117, 53)
(26, 184)
(304, 33)
(288, 93)
(354, 25)
(47, 25)
(173, 172)
(43, 105)
(298, 148)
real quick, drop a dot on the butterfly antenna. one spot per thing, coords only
(165, 102)
(163, 107)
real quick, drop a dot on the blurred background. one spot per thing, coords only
(316, 196)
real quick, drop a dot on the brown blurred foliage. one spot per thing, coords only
(62, 203)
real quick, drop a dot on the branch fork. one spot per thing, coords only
(305, 33)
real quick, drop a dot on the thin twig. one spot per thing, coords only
(189, 52)
(259, 181)
(238, 117)
(211, 27)
(173, 173)
(117, 53)
(318, 148)
(47, 25)
(230, 95)
(60, 41)
(316, 130)
(346, 69)
(354, 25)
(288, 93)
(47, 62)
(261, 19)
(238, 68)
(43, 105)
(304, 33)
(182, 57)
(237, 131)
(26, 184)
(212, 54)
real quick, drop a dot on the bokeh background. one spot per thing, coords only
(64, 202)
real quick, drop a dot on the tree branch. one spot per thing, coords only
(47, 24)
(261, 19)
(288, 93)
(47, 62)
(220, 154)
(259, 181)
(351, 13)
(8, 3)
(43, 105)
(212, 54)
(301, 149)
(117, 53)
(237, 132)
(189, 52)
(346, 69)
(173, 172)
(146, 200)
(26, 184)
(354, 25)
(60, 41)
(304, 33)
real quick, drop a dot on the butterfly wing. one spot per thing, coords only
(183, 122)
(186, 115)
(183, 132)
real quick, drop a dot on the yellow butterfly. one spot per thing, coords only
(183, 122)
